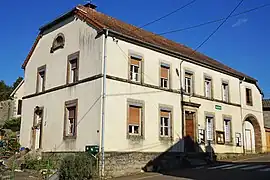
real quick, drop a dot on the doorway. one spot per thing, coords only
(190, 132)
(37, 129)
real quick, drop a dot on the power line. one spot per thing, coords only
(212, 21)
(162, 17)
(217, 28)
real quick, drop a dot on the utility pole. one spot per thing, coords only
(103, 103)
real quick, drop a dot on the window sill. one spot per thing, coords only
(69, 137)
(134, 137)
(165, 138)
(228, 143)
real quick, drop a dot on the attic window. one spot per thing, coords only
(58, 42)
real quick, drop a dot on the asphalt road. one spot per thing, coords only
(255, 168)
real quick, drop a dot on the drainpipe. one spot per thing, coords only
(181, 104)
(241, 115)
(103, 103)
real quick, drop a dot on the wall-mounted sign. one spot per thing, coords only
(220, 137)
(218, 107)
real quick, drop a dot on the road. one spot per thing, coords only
(255, 168)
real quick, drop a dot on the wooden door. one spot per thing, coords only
(268, 140)
(190, 132)
(248, 137)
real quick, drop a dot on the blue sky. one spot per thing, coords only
(243, 42)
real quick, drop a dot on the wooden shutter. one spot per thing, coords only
(165, 114)
(71, 112)
(134, 61)
(164, 72)
(134, 115)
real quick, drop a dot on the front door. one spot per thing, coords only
(37, 130)
(190, 131)
(248, 140)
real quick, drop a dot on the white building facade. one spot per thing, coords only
(145, 108)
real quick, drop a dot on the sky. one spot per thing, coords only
(242, 43)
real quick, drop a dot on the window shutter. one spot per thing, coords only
(134, 115)
(165, 114)
(209, 129)
(71, 113)
(134, 62)
(164, 72)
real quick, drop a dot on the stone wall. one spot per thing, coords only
(6, 110)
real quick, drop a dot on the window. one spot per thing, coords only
(227, 130)
(70, 124)
(225, 91)
(165, 123)
(208, 87)
(135, 69)
(134, 120)
(19, 110)
(58, 42)
(209, 128)
(188, 83)
(248, 96)
(164, 76)
(41, 76)
(73, 68)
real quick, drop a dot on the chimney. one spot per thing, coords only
(90, 5)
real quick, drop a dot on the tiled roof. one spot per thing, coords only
(101, 21)
(266, 103)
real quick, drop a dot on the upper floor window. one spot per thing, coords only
(208, 87)
(70, 123)
(164, 76)
(135, 68)
(188, 83)
(225, 91)
(248, 97)
(41, 77)
(73, 68)
(58, 42)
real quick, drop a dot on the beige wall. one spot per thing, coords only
(121, 92)
(78, 37)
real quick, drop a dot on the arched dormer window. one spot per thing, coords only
(58, 42)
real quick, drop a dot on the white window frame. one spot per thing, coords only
(209, 134)
(133, 125)
(134, 74)
(162, 126)
(227, 130)
(72, 76)
(188, 76)
(162, 83)
(208, 87)
(225, 91)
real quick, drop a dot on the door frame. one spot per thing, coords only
(33, 130)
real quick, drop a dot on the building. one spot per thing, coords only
(266, 116)
(12, 107)
(145, 110)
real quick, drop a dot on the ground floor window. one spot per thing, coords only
(70, 128)
(209, 128)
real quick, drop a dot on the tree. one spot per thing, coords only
(17, 82)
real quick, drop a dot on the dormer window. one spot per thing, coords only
(58, 42)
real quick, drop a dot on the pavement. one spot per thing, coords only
(249, 169)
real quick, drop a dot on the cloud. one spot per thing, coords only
(239, 22)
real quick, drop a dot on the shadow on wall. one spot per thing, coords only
(175, 158)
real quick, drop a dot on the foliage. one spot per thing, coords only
(36, 163)
(14, 124)
(6, 90)
(79, 166)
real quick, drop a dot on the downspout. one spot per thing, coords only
(103, 103)
(241, 115)
(181, 104)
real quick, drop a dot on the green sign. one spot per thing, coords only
(92, 149)
(218, 107)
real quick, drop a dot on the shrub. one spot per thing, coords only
(14, 124)
(35, 163)
(79, 166)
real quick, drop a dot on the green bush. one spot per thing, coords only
(79, 166)
(34, 163)
(14, 124)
